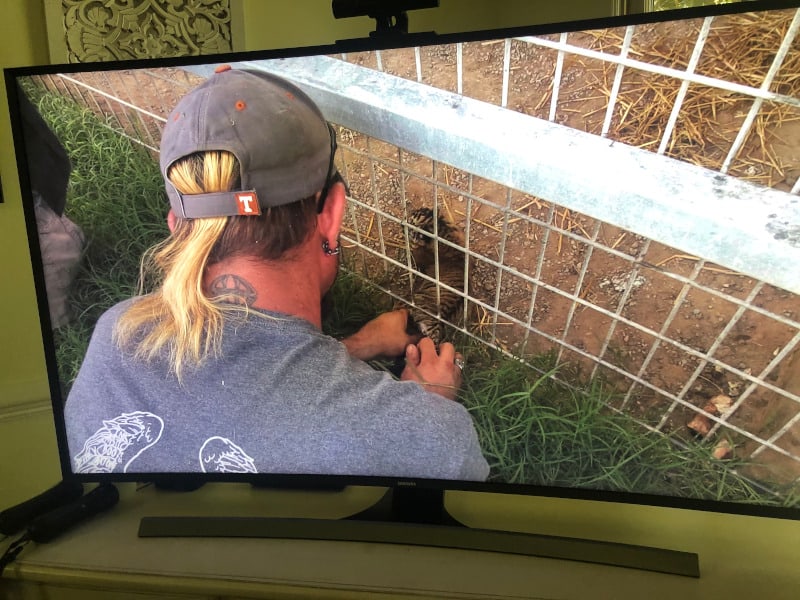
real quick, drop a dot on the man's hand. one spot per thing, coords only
(437, 372)
(383, 336)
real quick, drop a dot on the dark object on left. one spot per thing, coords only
(60, 240)
(56, 522)
(16, 518)
(66, 515)
(48, 163)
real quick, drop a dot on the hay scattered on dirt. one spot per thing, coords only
(710, 118)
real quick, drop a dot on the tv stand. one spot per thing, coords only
(409, 505)
(418, 517)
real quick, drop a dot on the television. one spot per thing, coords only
(612, 215)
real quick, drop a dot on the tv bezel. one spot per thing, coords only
(321, 481)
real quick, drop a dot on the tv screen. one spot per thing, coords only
(602, 221)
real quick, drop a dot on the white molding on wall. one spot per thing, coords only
(23, 408)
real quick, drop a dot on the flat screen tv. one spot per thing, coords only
(601, 216)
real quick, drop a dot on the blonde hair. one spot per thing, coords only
(178, 319)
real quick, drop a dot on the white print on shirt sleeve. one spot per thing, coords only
(121, 439)
(220, 455)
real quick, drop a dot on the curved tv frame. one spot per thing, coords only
(413, 511)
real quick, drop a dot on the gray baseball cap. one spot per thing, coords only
(282, 141)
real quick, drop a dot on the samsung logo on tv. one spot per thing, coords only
(406, 484)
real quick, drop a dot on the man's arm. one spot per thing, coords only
(384, 336)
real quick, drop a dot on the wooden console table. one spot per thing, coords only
(104, 558)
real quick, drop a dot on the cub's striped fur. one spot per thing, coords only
(442, 301)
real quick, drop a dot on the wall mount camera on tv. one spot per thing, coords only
(391, 17)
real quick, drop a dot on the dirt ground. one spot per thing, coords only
(704, 132)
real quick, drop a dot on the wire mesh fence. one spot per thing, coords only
(697, 345)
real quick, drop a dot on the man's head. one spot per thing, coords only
(248, 164)
(279, 137)
(253, 147)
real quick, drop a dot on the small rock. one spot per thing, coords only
(722, 403)
(722, 450)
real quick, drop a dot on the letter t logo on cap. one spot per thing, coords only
(247, 203)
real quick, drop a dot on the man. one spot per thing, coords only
(224, 367)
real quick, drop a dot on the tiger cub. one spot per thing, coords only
(446, 303)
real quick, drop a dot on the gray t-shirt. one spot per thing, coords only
(282, 397)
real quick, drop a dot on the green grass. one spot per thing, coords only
(532, 428)
(536, 430)
(351, 303)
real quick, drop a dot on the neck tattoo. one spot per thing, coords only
(233, 289)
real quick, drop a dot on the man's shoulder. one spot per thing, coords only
(111, 314)
(120, 306)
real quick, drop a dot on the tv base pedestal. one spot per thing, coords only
(419, 518)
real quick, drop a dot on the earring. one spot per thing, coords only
(326, 248)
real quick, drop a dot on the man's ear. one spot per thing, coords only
(171, 220)
(329, 221)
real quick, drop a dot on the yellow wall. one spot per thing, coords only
(26, 428)
(741, 556)
(22, 42)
